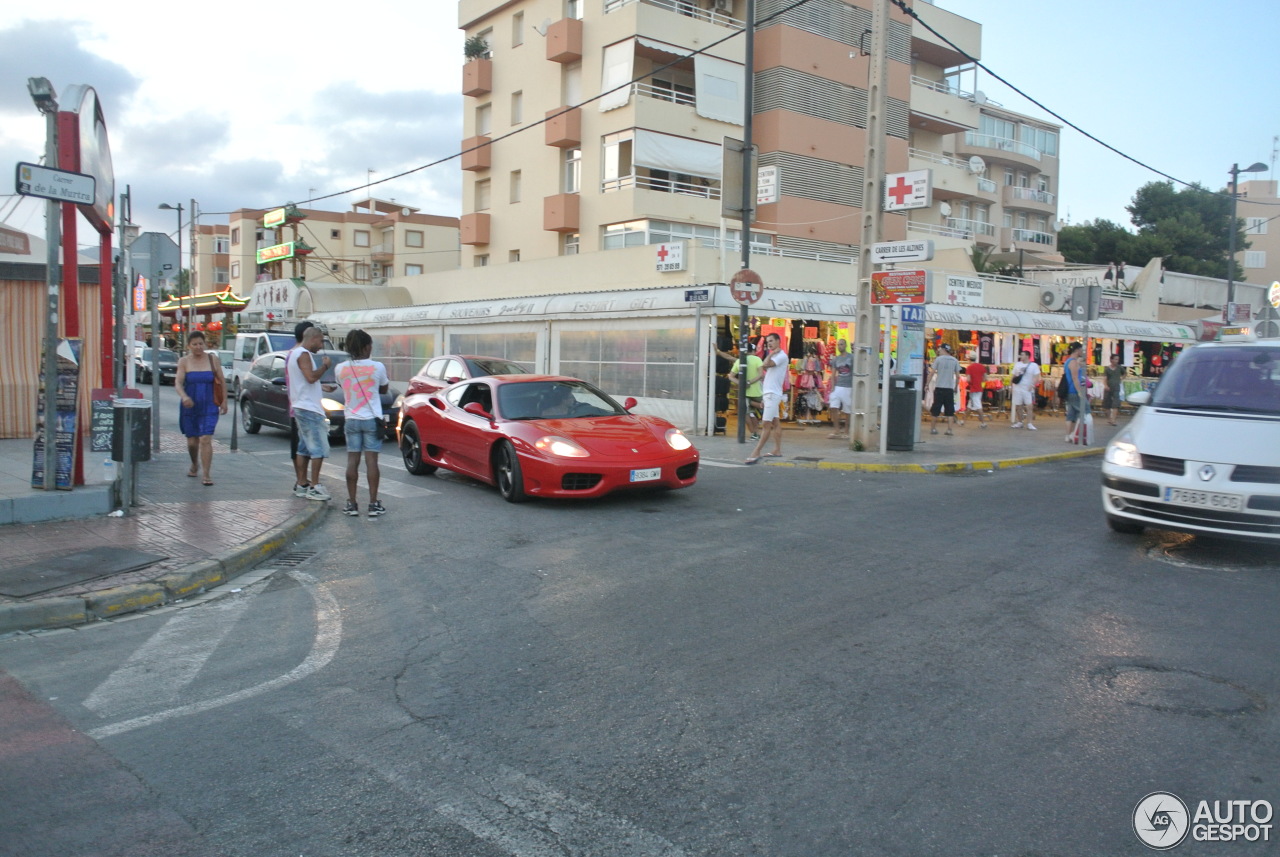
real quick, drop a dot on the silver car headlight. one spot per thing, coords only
(1123, 452)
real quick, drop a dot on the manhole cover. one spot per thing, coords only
(1202, 552)
(1177, 691)
(292, 560)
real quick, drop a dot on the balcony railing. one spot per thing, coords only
(935, 158)
(1003, 144)
(1030, 193)
(973, 227)
(940, 86)
(663, 93)
(987, 185)
(1031, 236)
(689, 8)
(934, 229)
(662, 185)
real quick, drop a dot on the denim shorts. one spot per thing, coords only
(313, 435)
(363, 435)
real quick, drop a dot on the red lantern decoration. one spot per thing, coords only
(215, 325)
(177, 328)
(199, 325)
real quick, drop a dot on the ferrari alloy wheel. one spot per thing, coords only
(247, 420)
(506, 472)
(411, 451)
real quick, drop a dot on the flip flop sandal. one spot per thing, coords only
(207, 482)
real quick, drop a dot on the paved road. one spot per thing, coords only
(776, 662)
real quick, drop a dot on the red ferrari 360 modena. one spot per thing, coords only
(543, 436)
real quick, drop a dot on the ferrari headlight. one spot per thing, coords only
(1123, 452)
(556, 445)
(677, 441)
(330, 405)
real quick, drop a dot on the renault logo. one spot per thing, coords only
(1207, 472)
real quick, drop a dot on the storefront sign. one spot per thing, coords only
(140, 295)
(912, 189)
(964, 291)
(273, 218)
(892, 288)
(1273, 295)
(1111, 305)
(1235, 312)
(279, 251)
(670, 257)
(766, 185)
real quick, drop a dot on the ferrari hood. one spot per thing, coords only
(612, 435)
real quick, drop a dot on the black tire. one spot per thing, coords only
(1124, 526)
(247, 421)
(506, 472)
(411, 451)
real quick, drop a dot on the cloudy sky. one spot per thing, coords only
(253, 105)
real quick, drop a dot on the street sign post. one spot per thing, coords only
(57, 185)
(746, 286)
(902, 251)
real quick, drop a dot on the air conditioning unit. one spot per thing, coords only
(1054, 300)
(722, 5)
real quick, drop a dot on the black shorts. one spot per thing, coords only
(944, 402)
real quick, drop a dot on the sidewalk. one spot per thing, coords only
(185, 539)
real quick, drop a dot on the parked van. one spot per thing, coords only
(252, 344)
(1202, 454)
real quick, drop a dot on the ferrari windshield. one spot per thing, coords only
(552, 400)
(1244, 378)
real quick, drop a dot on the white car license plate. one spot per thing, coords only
(647, 475)
(1209, 499)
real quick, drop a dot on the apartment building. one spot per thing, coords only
(212, 269)
(1259, 207)
(374, 241)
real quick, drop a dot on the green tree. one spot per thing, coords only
(1187, 226)
(1098, 242)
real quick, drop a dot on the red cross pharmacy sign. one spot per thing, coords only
(670, 257)
(912, 189)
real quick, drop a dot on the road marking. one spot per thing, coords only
(709, 463)
(168, 661)
(464, 784)
(323, 648)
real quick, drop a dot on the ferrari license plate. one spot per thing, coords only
(1208, 499)
(647, 475)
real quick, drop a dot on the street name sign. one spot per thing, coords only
(902, 251)
(57, 185)
(697, 296)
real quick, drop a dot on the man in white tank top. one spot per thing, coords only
(303, 373)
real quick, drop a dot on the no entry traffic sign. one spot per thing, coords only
(746, 286)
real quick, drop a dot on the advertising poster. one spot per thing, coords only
(65, 415)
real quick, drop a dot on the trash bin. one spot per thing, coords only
(137, 414)
(902, 413)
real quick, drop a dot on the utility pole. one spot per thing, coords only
(867, 329)
(748, 210)
(46, 101)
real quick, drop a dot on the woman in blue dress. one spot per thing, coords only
(198, 416)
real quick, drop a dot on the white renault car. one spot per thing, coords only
(1202, 454)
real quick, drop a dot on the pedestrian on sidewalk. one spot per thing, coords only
(1026, 375)
(946, 371)
(977, 384)
(198, 417)
(303, 374)
(776, 365)
(300, 483)
(1076, 391)
(755, 393)
(1111, 395)
(840, 400)
(363, 381)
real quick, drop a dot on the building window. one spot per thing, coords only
(573, 9)
(235, 235)
(335, 234)
(484, 119)
(412, 270)
(482, 195)
(517, 107)
(517, 29)
(569, 244)
(1022, 220)
(360, 238)
(513, 256)
(221, 245)
(571, 84)
(487, 35)
(515, 186)
(1255, 258)
(481, 261)
(572, 170)
(235, 270)
(1007, 219)
(1024, 180)
(1008, 177)
(1042, 183)
(413, 238)
(361, 273)
(617, 158)
(1255, 226)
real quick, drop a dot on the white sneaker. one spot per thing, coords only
(300, 490)
(1016, 425)
(318, 492)
(1032, 428)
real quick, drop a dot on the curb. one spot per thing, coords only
(193, 579)
(941, 468)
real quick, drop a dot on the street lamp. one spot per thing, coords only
(1231, 233)
(178, 208)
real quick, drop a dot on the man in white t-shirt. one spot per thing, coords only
(303, 373)
(1026, 375)
(946, 371)
(775, 368)
(363, 381)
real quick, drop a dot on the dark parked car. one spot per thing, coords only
(264, 399)
(167, 363)
(439, 372)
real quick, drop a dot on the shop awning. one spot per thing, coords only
(952, 317)
(325, 297)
